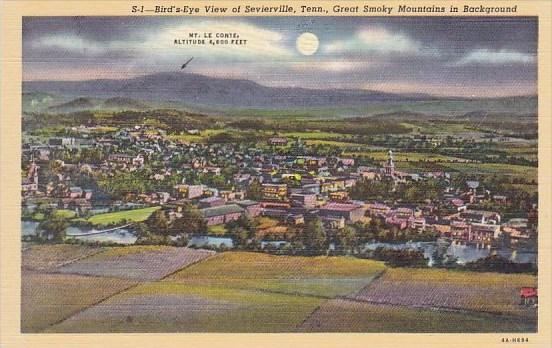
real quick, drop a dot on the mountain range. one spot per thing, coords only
(194, 89)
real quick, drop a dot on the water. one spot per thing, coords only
(200, 241)
(463, 253)
(28, 228)
(121, 236)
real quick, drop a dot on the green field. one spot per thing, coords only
(317, 276)
(135, 215)
(406, 156)
(313, 135)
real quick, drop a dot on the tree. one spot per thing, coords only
(158, 223)
(314, 236)
(53, 227)
(255, 191)
(346, 238)
(191, 222)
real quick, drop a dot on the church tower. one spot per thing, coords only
(389, 166)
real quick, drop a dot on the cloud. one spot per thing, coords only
(377, 40)
(487, 56)
(160, 44)
(458, 89)
(70, 43)
(329, 66)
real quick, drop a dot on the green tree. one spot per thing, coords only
(191, 222)
(314, 237)
(158, 223)
(53, 227)
(346, 239)
(255, 191)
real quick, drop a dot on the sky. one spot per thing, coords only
(446, 56)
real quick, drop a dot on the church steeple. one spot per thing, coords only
(390, 165)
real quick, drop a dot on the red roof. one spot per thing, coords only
(526, 292)
(340, 206)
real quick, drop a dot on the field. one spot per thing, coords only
(177, 307)
(44, 257)
(49, 298)
(351, 316)
(481, 292)
(166, 289)
(406, 156)
(135, 215)
(316, 276)
(135, 262)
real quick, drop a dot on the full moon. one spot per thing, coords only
(307, 44)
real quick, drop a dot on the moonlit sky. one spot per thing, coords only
(460, 56)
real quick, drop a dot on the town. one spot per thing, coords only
(249, 196)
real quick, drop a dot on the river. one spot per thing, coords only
(120, 236)
(463, 253)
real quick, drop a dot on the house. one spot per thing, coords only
(307, 200)
(347, 161)
(484, 233)
(274, 191)
(222, 214)
(480, 216)
(252, 208)
(189, 191)
(277, 141)
(349, 211)
(417, 223)
(333, 185)
(295, 219)
(439, 225)
(75, 192)
(339, 196)
(311, 188)
(30, 183)
(378, 209)
(529, 296)
(211, 202)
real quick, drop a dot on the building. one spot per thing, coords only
(378, 209)
(480, 216)
(484, 233)
(189, 191)
(529, 296)
(389, 166)
(252, 208)
(274, 191)
(29, 184)
(211, 202)
(339, 196)
(349, 211)
(307, 200)
(277, 141)
(222, 214)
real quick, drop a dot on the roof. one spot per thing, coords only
(528, 292)
(340, 206)
(210, 199)
(246, 203)
(221, 210)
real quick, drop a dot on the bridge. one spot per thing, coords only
(94, 232)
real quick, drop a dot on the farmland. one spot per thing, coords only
(48, 298)
(317, 276)
(166, 289)
(351, 316)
